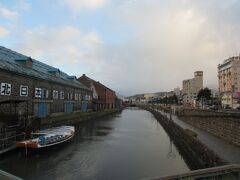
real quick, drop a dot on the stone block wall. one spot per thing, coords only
(225, 125)
(196, 154)
(53, 105)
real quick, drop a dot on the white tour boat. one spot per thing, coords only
(48, 137)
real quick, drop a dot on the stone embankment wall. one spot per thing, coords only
(225, 125)
(195, 153)
(70, 119)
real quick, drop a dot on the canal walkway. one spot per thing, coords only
(225, 150)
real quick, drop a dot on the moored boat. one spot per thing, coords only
(48, 137)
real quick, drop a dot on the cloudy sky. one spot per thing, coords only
(132, 46)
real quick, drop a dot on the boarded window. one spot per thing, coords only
(55, 94)
(76, 97)
(44, 93)
(79, 97)
(61, 95)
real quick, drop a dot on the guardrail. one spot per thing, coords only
(222, 172)
(7, 176)
(10, 141)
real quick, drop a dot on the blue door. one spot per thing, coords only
(84, 106)
(68, 107)
(42, 110)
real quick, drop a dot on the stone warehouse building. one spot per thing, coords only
(47, 90)
(103, 97)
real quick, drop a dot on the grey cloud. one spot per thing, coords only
(172, 39)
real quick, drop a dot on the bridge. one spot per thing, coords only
(7, 176)
(228, 172)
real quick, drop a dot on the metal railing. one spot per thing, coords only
(7, 176)
(10, 141)
(222, 172)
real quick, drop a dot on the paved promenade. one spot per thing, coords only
(225, 150)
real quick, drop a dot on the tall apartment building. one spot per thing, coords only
(191, 88)
(229, 82)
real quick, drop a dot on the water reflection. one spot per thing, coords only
(131, 145)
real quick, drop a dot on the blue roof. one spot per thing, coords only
(9, 61)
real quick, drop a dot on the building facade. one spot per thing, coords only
(105, 97)
(191, 87)
(177, 91)
(229, 82)
(47, 90)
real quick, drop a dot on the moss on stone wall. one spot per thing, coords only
(69, 119)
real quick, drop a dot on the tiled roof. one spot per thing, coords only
(96, 82)
(9, 61)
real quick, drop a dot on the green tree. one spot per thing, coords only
(204, 93)
(175, 99)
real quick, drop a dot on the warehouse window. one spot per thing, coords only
(55, 94)
(23, 90)
(69, 96)
(76, 97)
(44, 93)
(61, 95)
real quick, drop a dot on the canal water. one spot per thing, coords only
(130, 145)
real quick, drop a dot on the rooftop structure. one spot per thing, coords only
(21, 64)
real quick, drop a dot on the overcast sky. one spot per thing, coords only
(132, 46)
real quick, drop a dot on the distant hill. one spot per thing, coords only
(156, 94)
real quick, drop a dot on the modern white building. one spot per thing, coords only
(191, 88)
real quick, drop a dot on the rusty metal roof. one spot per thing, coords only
(9, 60)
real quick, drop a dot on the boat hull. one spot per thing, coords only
(52, 139)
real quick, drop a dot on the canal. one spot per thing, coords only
(129, 145)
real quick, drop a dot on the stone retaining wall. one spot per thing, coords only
(196, 154)
(70, 119)
(225, 125)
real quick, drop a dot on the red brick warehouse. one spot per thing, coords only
(103, 97)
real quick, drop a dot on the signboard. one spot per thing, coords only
(6, 89)
(23, 90)
(38, 92)
(55, 94)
